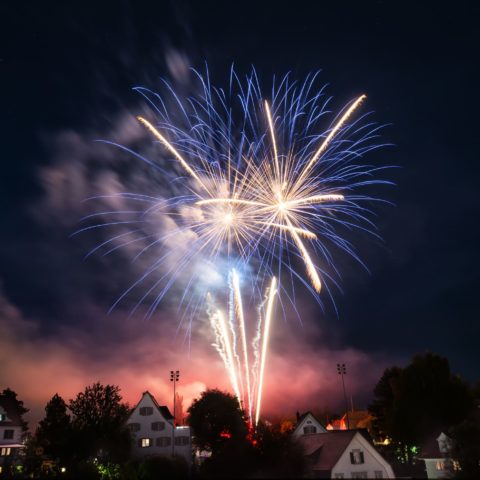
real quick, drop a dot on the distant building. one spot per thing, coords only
(10, 432)
(154, 433)
(355, 419)
(343, 454)
(307, 424)
(436, 453)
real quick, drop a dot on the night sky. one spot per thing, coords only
(66, 74)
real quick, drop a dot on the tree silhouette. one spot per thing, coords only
(11, 397)
(54, 432)
(98, 423)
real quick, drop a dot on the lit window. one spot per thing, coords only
(145, 411)
(5, 451)
(440, 465)
(378, 474)
(145, 442)
(157, 426)
(8, 434)
(133, 427)
(356, 458)
(456, 465)
(181, 441)
(309, 429)
(164, 441)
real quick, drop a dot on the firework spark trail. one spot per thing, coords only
(239, 370)
(224, 347)
(265, 337)
(237, 298)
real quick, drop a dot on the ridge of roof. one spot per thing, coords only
(163, 409)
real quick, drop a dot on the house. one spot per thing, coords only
(343, 454)
(307, 424)
(436, 453)
(10, 432)
(154, 431)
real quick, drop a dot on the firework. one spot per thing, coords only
(237, 366)
(259, 181)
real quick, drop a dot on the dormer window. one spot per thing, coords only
(356, 457)
(145, 411)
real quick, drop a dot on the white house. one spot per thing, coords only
(436, 453)
(343, 454)
(10, 432)
(154, 433)
(307, 424)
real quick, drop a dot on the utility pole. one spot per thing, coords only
(342, 370)
(174, 377)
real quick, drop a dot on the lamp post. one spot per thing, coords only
(342, 370)
(174, 377)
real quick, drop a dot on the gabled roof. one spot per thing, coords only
(13, 417)
(326, 448)
(161, 408)
(302, 418)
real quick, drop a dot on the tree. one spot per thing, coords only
(279, 456)
(414, 402)
(11, 397)
(98, 423)
(466, 446)
(219, 426)
(216, 419)
(54, 432)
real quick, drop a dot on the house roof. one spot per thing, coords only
(429, 448)
(305, 415)
(326, 448)
(14, 419)
(161, 408)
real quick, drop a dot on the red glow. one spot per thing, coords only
(226, 434)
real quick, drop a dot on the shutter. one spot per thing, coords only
(352, 458)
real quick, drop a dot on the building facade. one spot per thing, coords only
(343, 454)
(154, 432)
(10, 433)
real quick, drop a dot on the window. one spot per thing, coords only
(2, 417)
(8, 434)
(338, 475)
(456, 465)
(157, 426)
(164, 441)
(356, 458)
(359, 475)
(309, 429)
(133, 427)
(440, 465)
(145, 411)
(145, 442)
(5, 451)
(378, 474)
(181, 441)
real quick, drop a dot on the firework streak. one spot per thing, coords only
(247, 383)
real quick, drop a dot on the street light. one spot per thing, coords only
(174, 377)
(342, 370)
